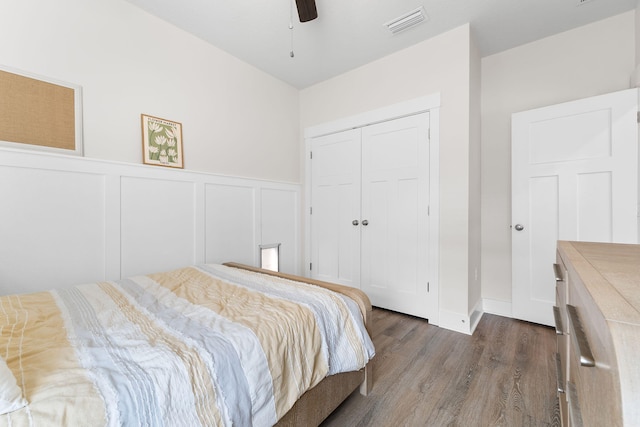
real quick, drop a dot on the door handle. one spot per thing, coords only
(365, 222)
(519, 227)
(355, 222)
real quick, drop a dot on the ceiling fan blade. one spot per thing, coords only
(307, 10)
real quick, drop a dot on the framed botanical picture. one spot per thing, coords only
(161, 142)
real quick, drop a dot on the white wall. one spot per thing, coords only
(236, 119)
(440, 64)
(590, 60)
(637, 38)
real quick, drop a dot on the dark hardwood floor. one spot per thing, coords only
(503, 375)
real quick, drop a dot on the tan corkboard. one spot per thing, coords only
(37, 112)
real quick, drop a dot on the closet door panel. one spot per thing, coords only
(408, 241)
(369, 220)
(335, 204)
(395, 200)
(378, 244)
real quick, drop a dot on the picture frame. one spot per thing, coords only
(161, 142)
(40, 113)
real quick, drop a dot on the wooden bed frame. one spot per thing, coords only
(316, 404)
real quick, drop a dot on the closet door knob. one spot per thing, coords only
(365, 222)
(519, 227)
(355, 222)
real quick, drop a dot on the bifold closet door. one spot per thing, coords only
(395, 203)
(335, 205)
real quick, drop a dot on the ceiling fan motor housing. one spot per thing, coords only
(307, 10)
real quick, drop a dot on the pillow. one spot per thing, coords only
(10, 394)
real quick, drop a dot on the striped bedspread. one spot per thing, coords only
(207, 345)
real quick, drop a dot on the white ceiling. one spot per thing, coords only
(350, 33)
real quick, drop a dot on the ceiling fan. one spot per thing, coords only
(307, 10)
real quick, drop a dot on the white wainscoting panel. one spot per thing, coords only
(279, 225)
(230, 224)
(66, 220)
(51, 228)
(158, 225)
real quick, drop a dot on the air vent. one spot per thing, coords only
(408, 20)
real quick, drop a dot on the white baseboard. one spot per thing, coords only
(476, 315)
(455, 322)
(467, 324)
(461, 323)
(498, 307)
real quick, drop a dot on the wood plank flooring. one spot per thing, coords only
(503, 375)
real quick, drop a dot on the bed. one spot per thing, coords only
(203, 345)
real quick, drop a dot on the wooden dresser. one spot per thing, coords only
(598, 328)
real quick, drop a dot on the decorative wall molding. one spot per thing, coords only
(68, 220)
(390, 112)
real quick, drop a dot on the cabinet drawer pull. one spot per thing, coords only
(559, 376)
(558, 320)
(575, 416)
(557, 270)
(580, 338)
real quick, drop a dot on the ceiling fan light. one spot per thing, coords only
(406, 21)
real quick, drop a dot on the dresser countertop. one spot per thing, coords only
(611, 274)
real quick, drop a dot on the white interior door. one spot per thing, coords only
(395, 202)
(574, 177)
(335, 204)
